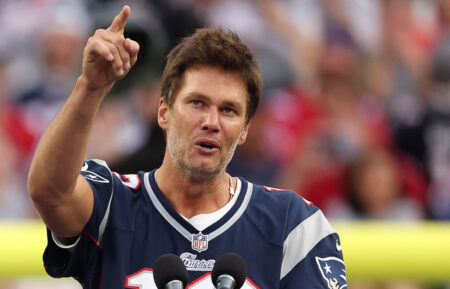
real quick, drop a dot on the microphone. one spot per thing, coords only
(169, 272)
(229, 272)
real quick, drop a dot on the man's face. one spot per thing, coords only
(206, 121)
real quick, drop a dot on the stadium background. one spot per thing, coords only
(355, 117)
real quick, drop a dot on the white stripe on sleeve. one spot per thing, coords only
(303, 239)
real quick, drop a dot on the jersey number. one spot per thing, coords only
(143, 279)
(132, 181)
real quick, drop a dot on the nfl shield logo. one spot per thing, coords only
(200, 242)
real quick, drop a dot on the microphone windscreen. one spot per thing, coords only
(231, 264)
(167, 268)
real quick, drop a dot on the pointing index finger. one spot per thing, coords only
(119, 22)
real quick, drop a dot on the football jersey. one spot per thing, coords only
(285, 240)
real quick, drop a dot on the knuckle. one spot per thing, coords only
(91, 40)
(118, 67)
(99, 31)
(92, 44)
(117, 39)
(94, 41)
(113, 48)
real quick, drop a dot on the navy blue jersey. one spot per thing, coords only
(285, 240)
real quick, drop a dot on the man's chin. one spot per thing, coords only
(203, 172)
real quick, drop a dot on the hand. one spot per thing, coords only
(108, 56)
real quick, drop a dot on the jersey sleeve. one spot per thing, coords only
(82, 262)
(312, 253)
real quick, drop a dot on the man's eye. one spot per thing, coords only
(229, 110)
(196, 102)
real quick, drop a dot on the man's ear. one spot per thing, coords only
(163, 114)
(244, 133)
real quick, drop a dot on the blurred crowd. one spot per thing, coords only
(355, 114)
(356, 105)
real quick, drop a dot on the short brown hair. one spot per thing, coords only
(212, 47)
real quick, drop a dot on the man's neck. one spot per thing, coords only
(191, 197)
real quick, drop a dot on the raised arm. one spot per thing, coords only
(62, 197)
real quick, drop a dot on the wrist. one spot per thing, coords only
(93, 92)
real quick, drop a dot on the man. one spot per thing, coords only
(106, 230)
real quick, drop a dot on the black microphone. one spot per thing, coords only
(229, 272)
(169, 272)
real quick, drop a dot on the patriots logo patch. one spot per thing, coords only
(333, 271)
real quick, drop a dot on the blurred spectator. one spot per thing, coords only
(244, 18)
(177, 18)
(118, 130)
(174, 19)
(14, 149)
(252, 160)
(436, 132)
(408, 37)
(376, 192)
(429, 140)
(324, 133)
(329, 125)
(149, 155)
(26, 30)
(63, 31)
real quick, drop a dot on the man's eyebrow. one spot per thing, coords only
(201, 96)
(195, 94)
(234, 104)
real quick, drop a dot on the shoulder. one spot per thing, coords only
(296, 213)
(286, 201)
(97, 171)
(117, 197)
(281, 194)
(98, 174)
(286, 210)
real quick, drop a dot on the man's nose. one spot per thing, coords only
(211, 120)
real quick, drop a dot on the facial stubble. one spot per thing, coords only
(182, 160)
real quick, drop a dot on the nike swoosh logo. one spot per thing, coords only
(338, 246)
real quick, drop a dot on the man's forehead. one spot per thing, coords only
(212, 82)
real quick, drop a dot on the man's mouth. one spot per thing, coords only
(207, 145)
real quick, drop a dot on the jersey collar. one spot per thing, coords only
(183, 226)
